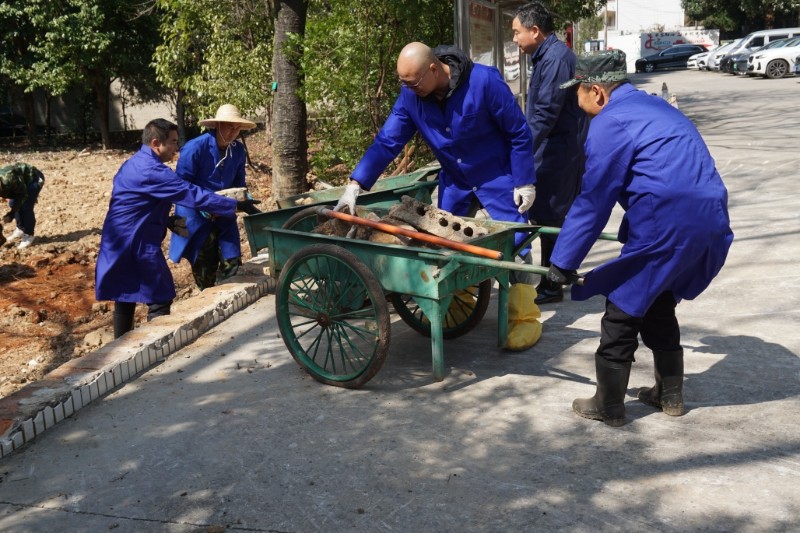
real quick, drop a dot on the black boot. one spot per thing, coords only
(123, 318)
(608, 402)
(667, 393)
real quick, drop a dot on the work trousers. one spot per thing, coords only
(210, 267)
(619, 331)
(25, 217)
(124, 314)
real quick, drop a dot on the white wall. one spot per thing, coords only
(641, 15)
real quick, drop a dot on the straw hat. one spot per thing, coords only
(228, 113)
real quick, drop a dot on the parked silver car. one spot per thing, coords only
(712, 62)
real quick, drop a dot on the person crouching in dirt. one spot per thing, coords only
(21, 184)
(131, 267)
(215, 160)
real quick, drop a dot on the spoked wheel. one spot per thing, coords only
(304, 220)
(333, 316)
(465, 312)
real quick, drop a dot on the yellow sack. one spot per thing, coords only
(524, 328)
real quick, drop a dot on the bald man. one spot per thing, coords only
(472, 123)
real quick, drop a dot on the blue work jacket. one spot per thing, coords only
(131, 266)
(200, 164)
(479, 136)
(646, 155)
(557, 125)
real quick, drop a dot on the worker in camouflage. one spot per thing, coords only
(21, 184)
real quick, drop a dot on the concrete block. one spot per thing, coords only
(18, 439)
(77, 402)
(58, 412)
(86, 395)
(49, 417)
(28, 430)
(102, 386)
(69, 407)
(131, 367)
(38, 423)
(116, 372)
(6, 447)
(139, 362)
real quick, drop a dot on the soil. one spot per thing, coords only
(48, 312)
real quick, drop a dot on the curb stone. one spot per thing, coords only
(39, 406)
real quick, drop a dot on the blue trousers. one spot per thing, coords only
(25, 217)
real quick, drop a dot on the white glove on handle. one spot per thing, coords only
(349, 197)
(524, 197)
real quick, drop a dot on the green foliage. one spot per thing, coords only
(741, 16)
(349, 62)
(216, 53)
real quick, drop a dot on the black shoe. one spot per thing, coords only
(548, 296)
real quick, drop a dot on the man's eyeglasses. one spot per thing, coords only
(419, 81)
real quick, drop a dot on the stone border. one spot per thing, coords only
(39, 406)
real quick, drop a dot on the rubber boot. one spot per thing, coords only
(608, 402)
(123, 319)
(667, 393)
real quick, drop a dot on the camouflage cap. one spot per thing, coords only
(599, 67)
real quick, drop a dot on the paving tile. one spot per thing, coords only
(28, 431)
(38, 423)
(49, 417)
(77, 402)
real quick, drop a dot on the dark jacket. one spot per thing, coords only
(557, 125)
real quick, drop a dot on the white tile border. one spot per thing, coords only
(48, 416)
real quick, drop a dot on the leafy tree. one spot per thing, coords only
(213, 53)
(92, 42)
(742, 16)
(16, 35)
(349, 61)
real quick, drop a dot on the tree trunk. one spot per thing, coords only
(180, 116)
(101, 87)
(30, 116)
(289, 142)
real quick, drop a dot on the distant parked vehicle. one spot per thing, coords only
(697, 61)
(740, 61)
(776, 62)
(712, 62)
(673, 57)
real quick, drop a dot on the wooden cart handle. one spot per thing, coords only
(425, 237)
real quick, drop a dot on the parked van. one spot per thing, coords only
(757, 39)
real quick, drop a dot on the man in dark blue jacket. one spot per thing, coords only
(557, 125)
(131, 267)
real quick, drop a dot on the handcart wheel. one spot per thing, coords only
(333, 316)
(304, 220)
(465, 312)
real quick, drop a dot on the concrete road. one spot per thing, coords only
(229, 433)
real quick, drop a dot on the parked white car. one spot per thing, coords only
(712, 61)
(697, 61)
(774, 63)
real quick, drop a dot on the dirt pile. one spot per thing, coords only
(48, 313)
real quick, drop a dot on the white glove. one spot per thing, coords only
(524, 197)
(349, 197)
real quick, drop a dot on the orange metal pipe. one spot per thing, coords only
(426, 237)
